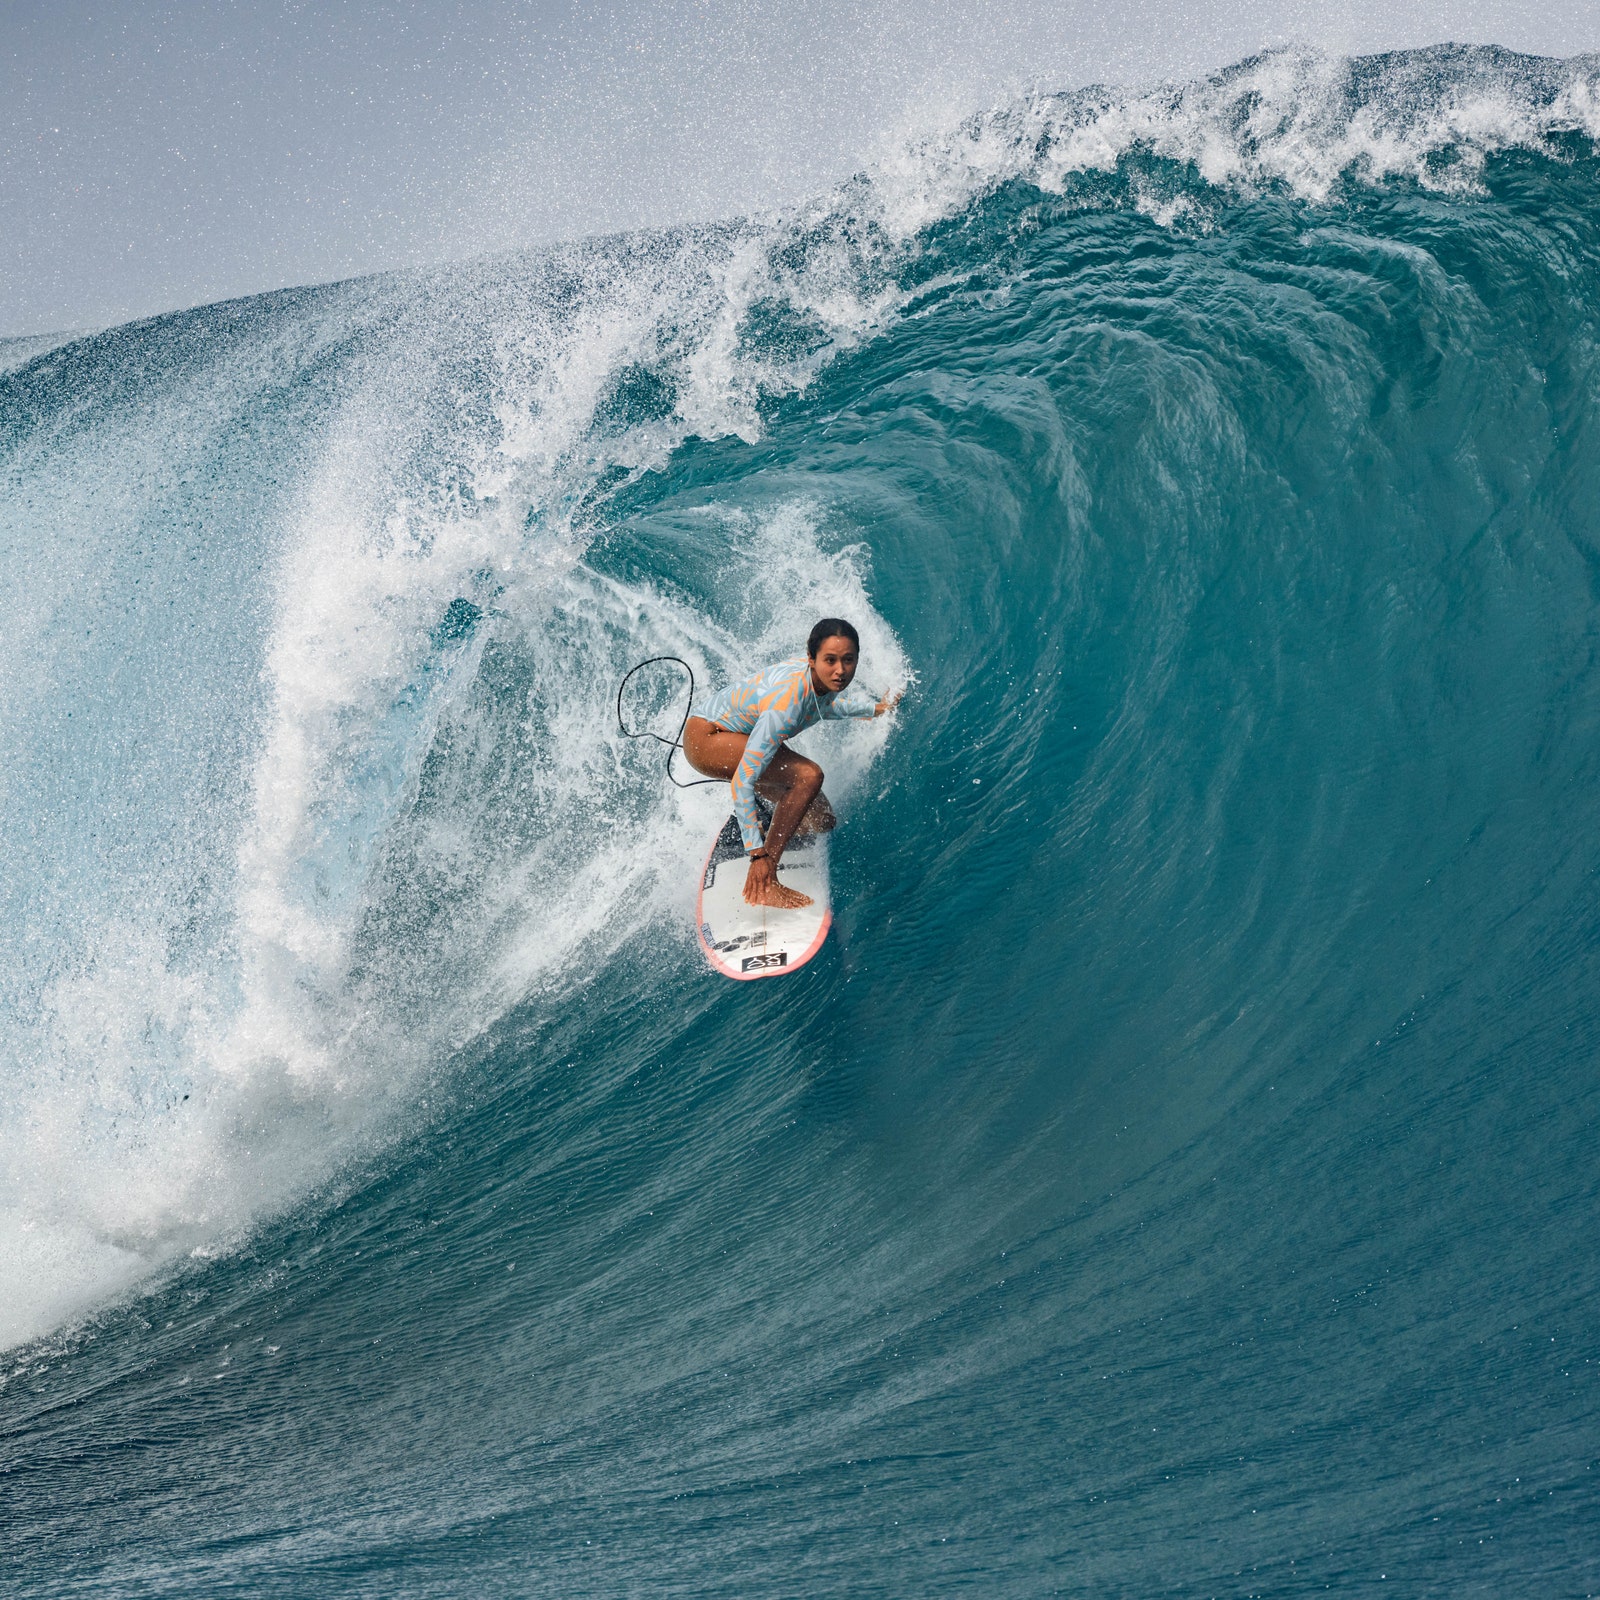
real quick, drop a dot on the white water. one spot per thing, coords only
(291, 845)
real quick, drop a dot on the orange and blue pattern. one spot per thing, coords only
(771, 706)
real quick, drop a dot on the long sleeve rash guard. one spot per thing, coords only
(771, 706)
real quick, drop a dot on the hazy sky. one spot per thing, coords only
(161, 153)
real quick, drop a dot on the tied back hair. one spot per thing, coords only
(831, 628)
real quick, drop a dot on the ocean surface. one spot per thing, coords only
(1178, 1174)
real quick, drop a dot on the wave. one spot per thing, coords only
(1217, 461)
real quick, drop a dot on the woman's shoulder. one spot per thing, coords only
(779, 672)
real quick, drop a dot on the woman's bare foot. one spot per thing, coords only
(761, 888)
(778, 895)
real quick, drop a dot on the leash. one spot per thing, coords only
(645, 733)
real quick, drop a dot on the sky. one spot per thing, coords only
(164, 153)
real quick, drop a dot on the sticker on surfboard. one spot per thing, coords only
(745, 942)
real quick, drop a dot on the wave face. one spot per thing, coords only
(1175, 1176)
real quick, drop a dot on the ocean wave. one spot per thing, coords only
(1225, 578)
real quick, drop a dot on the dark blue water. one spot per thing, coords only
(1178, 1173)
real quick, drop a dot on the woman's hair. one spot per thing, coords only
(831, 628)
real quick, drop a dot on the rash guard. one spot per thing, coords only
(772, 706)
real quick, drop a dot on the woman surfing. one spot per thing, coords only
(738, 732)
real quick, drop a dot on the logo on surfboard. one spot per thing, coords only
(773, 958)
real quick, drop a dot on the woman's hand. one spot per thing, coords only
(888, 703)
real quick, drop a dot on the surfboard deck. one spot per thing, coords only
(746, 942)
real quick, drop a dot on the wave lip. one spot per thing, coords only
(1302, 119)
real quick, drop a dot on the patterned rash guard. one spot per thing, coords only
(772, 706)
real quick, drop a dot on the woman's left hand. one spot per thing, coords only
(888, 703)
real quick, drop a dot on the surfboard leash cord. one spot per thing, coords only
(645, 733)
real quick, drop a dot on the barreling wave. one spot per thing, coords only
(1218, 459)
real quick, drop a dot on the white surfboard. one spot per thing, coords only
(743, 941)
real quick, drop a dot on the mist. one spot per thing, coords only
(158, 155)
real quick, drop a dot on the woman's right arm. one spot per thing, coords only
(759, 749)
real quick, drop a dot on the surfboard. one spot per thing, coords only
(743, 941)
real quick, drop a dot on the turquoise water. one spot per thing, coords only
(1177, 1174)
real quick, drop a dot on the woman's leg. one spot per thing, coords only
(819, 818)
(715, 753)
(791, 782)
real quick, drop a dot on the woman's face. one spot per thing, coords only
(834, 664)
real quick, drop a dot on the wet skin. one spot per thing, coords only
(791, 782)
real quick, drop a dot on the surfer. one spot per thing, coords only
(738, 732)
